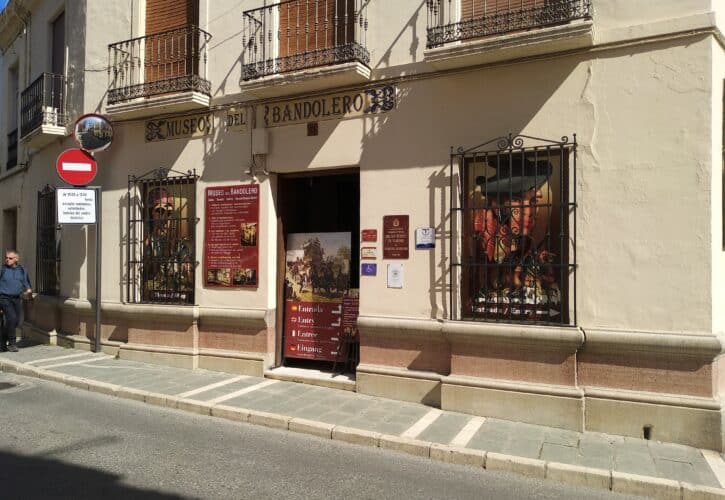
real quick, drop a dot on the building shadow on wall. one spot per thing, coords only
(456, 110)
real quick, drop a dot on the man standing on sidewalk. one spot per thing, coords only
(14, 283)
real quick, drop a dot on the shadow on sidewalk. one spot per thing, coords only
(37, 477)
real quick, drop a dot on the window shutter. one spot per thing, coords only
(164, 15)
(476, 9)
(172, 55)
(309, 25)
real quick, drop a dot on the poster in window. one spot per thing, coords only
(231, 252)
(319, 304)
(515, 236)
(168, 244)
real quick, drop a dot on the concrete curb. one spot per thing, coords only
(564, 473)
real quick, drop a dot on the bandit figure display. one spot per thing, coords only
(515, 273)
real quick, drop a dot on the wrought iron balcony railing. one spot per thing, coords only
(12, 150)
(458, 20)
(299, 34)
(43, 103)
(163, 63)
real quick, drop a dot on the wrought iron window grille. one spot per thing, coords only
(43, 103)
(514, 204)
(298, 34)
(162, 63)
(449, 21)
(161, 237)
(47, 253)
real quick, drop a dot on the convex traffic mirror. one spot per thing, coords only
(93, 132)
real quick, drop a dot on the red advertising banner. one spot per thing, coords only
(231, 252)
(317, 286)
(396, 237)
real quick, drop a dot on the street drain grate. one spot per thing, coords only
(6, 385)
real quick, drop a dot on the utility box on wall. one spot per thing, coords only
(260, 141)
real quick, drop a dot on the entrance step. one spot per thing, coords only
(342, 381)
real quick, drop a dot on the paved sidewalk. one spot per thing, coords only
(625, 465)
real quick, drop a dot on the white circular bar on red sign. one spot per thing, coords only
(76, 167)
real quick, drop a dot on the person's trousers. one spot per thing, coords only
(11, 315)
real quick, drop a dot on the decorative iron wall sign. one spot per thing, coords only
(330, 107)
(231, 250)
(182, 127)
(236, 119)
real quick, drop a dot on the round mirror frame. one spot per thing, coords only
(96, 136)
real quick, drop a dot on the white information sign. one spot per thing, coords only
(395, 275)
(76, 206)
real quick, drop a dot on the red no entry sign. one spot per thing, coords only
(76, 167)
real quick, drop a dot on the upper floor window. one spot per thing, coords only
(161, 238)
(298, 34)
(57, 63)
(459, 20)
(517, 247)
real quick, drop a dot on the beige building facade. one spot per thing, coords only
(552, 171)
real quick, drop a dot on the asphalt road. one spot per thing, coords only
(59, 442)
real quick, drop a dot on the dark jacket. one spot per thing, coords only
(13, 280)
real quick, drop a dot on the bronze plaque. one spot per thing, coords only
(396, 237)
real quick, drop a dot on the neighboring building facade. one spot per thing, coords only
(525, 196)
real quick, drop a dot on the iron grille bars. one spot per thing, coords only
(299, 34)
(12, 150)
(172, 61)
(47, 261)
(160, 238)
(43, 103)
(515, 207)
(458, 20)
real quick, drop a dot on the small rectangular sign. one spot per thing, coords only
(425, 237)
(368, 253)
(396, 237)
(369, 269)
(76, 206)
(395, 275)
(369, 235)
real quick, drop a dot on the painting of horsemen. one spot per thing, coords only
(318, 266)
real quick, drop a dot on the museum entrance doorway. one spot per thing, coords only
(318, 266)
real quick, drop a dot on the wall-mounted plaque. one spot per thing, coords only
(396, 237)
(369, 235)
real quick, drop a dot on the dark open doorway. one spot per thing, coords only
(319, 261)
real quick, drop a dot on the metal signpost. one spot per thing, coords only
(82, 205)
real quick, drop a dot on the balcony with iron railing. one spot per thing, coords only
(166, 69)
(43, 110)
(12, 160)
(477, 31)
(311, 43)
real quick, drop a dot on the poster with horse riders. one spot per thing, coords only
(317, 293)
(231, 253)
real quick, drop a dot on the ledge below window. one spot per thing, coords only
(42, 136)
(161, 104)
(575, 35)
(309, 80)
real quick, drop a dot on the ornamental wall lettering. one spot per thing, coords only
(330, 107)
